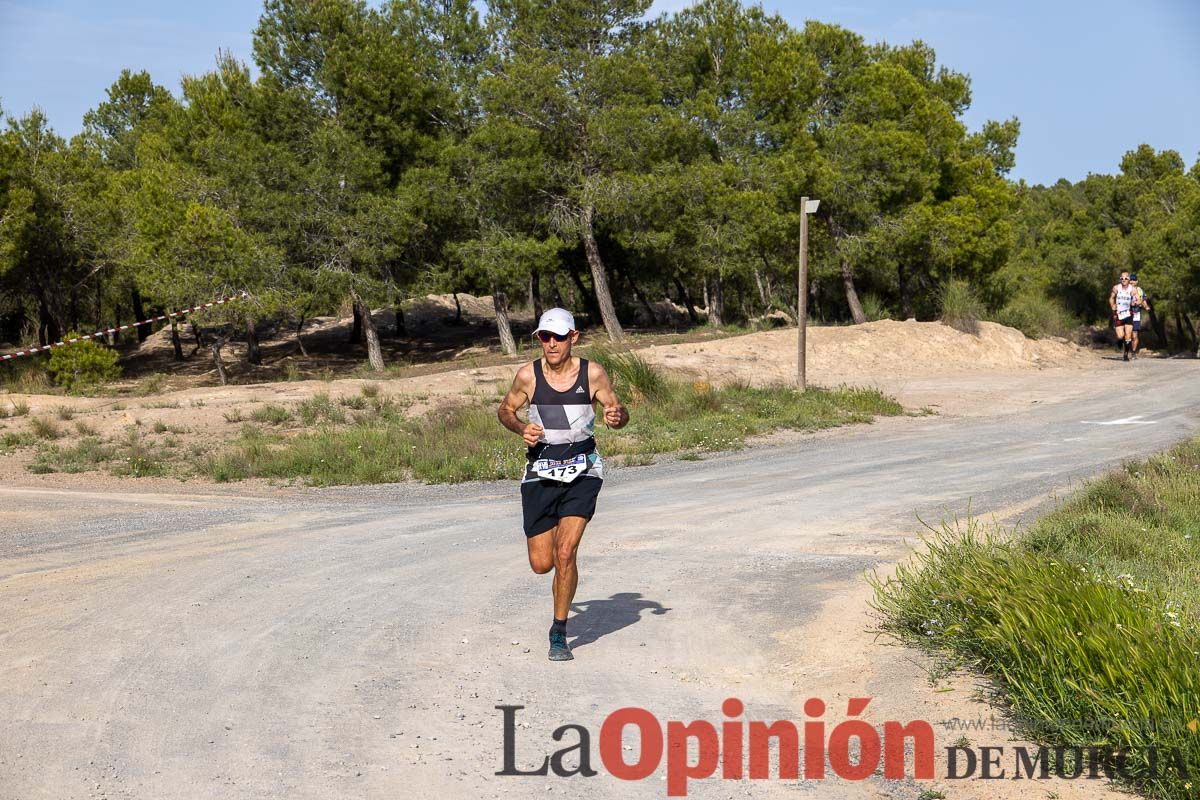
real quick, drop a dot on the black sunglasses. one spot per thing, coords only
(546, 336)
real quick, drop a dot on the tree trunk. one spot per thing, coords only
(253, 351)
(558, 298)
(139, 314)
(535, 295)
(50, 329)
(99, 315)
(641, 298)
(906, 306)
(1160, 329)
(457, 310)
(716, 301)
(374, 351)
(686, 300)
(216, 345)
(762, 292)
(608, 314)
(356, 329)
(856, 310)
(584, 297)
(573, 296)
(199, 339)
(299, 338)
(73, 315)
(507, 343)
(1191, 332)
(401, 326)
(175, 342)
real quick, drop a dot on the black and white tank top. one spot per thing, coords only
(1124, 300)
(567, 418)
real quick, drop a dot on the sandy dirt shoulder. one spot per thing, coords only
(923, 365)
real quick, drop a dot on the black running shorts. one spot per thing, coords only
(544, 502)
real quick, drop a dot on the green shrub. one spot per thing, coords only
(448, 446)
(151, 384)
(137, 459)
(89, 453)
(271, 414)
(22, 439)
(1037, 315)
(1082, 661)
(961, 307)
(82, 364)
(631, 370)
(44, 428)
(1089, 621)
(320, 408)
(874, 308)
(26, 376)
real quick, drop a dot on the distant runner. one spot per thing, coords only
(1141, 302)
(563, 473)
(1121, 303)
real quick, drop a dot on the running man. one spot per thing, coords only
(563, 473)
(1141, 302)
(1121, 303)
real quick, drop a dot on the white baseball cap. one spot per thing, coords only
(556, 320)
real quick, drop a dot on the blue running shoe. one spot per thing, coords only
(558, 647)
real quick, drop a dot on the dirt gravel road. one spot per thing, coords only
(354, 643)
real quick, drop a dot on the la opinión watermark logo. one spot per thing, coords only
(698, 749)
(734, 748)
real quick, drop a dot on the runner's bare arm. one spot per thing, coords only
(517, 397)
(1112, 299)
(615, 415)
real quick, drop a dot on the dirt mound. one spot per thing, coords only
(434, 310)
(862, 354)
(926, 346)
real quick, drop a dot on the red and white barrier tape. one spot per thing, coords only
(42, 348)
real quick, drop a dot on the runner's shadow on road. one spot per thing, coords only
(596, 618)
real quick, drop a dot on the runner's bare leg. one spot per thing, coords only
(541, 551)
(567, 536)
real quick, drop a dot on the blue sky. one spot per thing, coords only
(1089, 80)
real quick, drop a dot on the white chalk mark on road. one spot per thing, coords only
(1122, 421)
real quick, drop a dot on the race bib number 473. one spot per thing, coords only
(563, 471)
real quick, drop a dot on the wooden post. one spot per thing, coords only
(802, 297)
